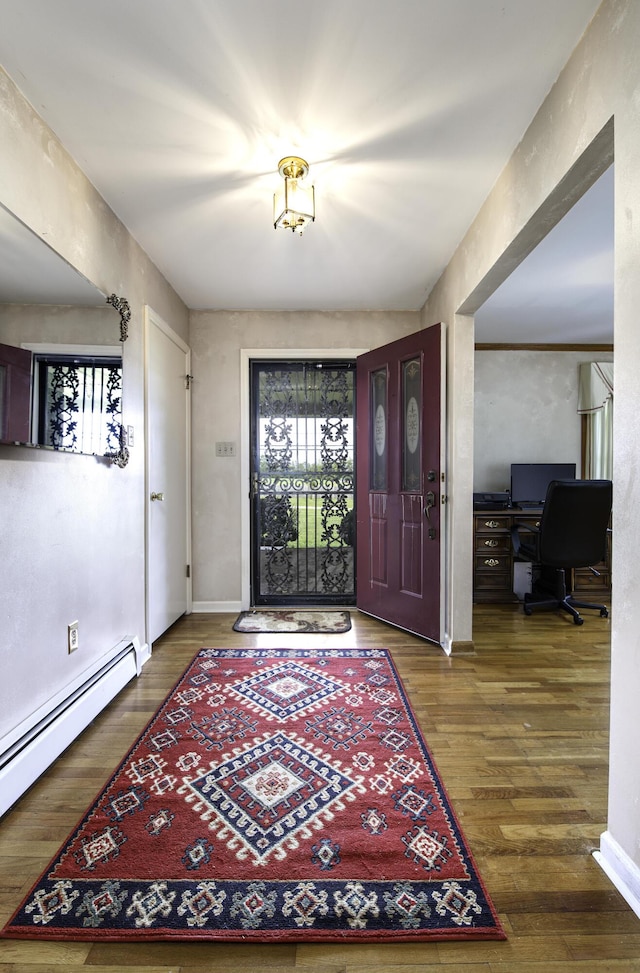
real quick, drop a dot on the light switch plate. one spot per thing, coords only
(225, 449)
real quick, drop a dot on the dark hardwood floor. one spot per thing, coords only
(519, 733)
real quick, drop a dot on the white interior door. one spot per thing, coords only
(167, 367)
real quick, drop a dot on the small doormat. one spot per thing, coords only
(294, 622)
(277, 795)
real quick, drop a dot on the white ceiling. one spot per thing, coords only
(406, 110)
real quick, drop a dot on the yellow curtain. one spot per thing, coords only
(595, 403)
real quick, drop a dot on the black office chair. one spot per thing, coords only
(572, 534)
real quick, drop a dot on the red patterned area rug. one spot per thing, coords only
(276, 795)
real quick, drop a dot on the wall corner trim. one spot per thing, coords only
(620, 869)
(462, 647)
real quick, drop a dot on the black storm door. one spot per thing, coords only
(302, 483)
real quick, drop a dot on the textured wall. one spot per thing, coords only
(525, 411)
(55, 324)
(590, 115)
(71, 527)
(217, 492)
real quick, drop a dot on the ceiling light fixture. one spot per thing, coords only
(294, 206)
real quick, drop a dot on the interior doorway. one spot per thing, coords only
(302, 436)
(544, 363)
(167, 475)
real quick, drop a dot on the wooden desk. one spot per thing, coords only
(493, 558)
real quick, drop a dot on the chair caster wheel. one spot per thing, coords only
(579, 620)
(528, 611)
(604, 613)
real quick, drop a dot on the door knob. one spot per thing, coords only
(430, 502)
(157, 496)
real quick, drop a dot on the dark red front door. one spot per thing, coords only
(399, 482)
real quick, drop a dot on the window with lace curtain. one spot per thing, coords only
(78, 402)
(595, 405)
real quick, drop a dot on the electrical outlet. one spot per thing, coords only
(73, 637)
(130, 436)
(225, 449)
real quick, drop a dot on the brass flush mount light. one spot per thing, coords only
(294, 206)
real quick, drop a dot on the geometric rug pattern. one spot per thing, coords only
(294, 622)
(276, 795)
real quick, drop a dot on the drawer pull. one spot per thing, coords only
(491, 562)
(492, 524)
(492, 542)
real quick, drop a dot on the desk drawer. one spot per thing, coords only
(493, 587)
(492, 544)
(492, 563)
(491, 524)
(492, 578)
(492, 556)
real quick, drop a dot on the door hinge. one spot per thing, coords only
(188, 570)
(188, 379)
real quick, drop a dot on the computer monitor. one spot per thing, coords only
(529, 481)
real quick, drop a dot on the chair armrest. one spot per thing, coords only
(515, 534)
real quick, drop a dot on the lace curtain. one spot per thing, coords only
(595, 404)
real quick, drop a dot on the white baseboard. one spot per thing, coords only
(621, 869)
(30, 748)
(203, 607)
(143, 654)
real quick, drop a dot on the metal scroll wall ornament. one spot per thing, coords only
(120, 457)
(121, 305)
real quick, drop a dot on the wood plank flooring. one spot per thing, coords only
(519, 732)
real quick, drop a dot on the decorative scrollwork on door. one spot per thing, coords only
(303, 483)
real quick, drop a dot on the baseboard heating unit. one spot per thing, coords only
(32, 746)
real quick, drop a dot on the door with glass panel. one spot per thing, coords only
(302, 483)
(400, 483)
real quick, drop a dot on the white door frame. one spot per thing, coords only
(248, 355)
(153, 319)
